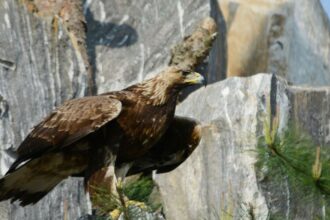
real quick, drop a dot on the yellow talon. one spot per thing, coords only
(115, 214)
(141, 205)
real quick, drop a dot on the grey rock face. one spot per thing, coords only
(308, 39)
(38, 71)
(219, 179)
(311, 111)
(290, 38)
(128, 40)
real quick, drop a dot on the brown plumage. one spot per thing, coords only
(84, 136)
(174, 147)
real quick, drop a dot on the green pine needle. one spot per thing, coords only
(294, 157)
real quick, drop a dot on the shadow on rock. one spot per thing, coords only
(107, 34)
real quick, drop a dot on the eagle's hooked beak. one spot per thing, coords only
(195, 78)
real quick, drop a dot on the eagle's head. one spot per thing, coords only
(167, 85)
(182, 77)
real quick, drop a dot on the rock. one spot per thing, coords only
(39, 70)
(285, 37)
(219, 179)
(128, 40)
(311, 111)
(138, 213)
(219, 175)
(289, 38)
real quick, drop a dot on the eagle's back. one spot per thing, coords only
(143, 124)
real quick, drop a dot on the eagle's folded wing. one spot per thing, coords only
(70, 122)
(180, 140)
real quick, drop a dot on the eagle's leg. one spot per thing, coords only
(121, 172)
(100, 175)
(116, 189)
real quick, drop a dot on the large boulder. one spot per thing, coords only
(220, 174)
(220, 178)
(287, 37)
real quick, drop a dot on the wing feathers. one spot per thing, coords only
(179, 141)
(68, 123)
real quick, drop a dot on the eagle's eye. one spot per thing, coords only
(186, 72)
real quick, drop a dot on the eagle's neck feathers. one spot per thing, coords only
(157, 91)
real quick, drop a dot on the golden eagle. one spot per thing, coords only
(135, 129)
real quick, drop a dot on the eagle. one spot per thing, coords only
(133, 130)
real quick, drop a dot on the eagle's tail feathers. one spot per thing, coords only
(27, 186)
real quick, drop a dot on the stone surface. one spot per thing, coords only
(128, 40)
(290, 38)
(38, 71)
(308, 110)
(311, 111)
(219, 179)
